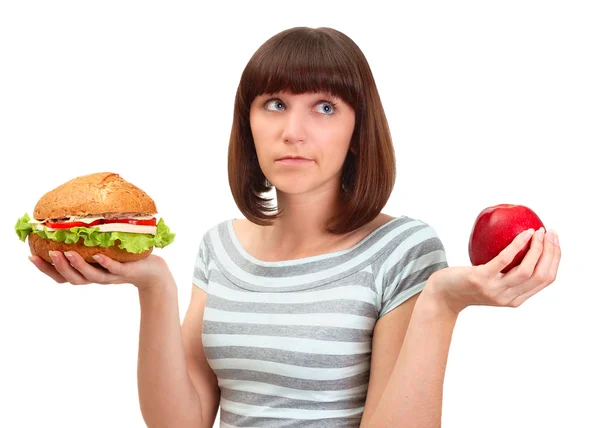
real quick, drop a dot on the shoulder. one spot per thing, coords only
(395, 230)
(413, 252)
(382, 219)
(410, 240)
(214, 229)
(209, 234)
(243, 227)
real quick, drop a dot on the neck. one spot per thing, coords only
(302, 225)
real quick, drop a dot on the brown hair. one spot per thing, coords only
(301, 60)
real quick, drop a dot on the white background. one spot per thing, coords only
(488, 103)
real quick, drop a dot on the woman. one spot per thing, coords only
(321, 310)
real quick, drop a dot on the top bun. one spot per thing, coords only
(99, 193)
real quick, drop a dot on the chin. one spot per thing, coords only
(293, 187)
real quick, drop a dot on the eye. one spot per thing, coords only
(273, 102)
(328, 107)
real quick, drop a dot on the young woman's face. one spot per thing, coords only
(316, 126)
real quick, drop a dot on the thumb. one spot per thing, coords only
(507, 255)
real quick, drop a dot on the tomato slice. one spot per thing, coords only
(70, 224)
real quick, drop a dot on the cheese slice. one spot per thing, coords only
(125, 227)
(114, 227)
(86, 220)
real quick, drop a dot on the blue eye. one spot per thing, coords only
(275, 101)
(328, 107)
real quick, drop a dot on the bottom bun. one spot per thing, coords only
(40, 247)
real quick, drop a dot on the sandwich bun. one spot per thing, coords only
(103, 192)
(106, 195)
(40, 247)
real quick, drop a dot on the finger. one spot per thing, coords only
(113, 266)
(553, 270)
(46, 268)
(90, 272)
(556, 260)
(528, 281)
(540, 251)
(550, 276)
(494, 267)
(62, 265)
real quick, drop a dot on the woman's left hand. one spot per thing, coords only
(463, 286)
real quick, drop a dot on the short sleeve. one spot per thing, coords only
(200, 278)
(408, 266)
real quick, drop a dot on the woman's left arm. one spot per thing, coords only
(411, 397)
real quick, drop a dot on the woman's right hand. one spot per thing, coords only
(70, 267)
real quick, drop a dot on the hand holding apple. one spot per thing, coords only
(456, 288)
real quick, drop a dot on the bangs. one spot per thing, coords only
(303, 62)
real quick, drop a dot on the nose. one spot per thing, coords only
(294, 127)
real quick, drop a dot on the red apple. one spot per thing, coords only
(495, 228)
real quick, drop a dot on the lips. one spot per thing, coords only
(293, 158)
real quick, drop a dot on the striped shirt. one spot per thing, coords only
(290, 341)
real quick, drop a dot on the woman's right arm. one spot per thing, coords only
(202, 376)
(177, 387)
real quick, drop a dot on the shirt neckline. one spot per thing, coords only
(293, 262)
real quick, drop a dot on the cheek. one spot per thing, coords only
(335, 143)
(258, 129)
(262, 130)
(339, 130)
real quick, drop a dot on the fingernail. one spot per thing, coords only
(527, 234)
(52, 255)
(32, 259)
(68, 256)
(540, 234)
(97, 257)
(553, 236)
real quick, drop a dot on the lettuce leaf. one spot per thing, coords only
(131, 242)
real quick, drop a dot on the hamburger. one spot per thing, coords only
(95, 213)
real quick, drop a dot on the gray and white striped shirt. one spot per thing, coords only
(290, 341)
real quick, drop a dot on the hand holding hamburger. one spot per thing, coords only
(94, 219)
